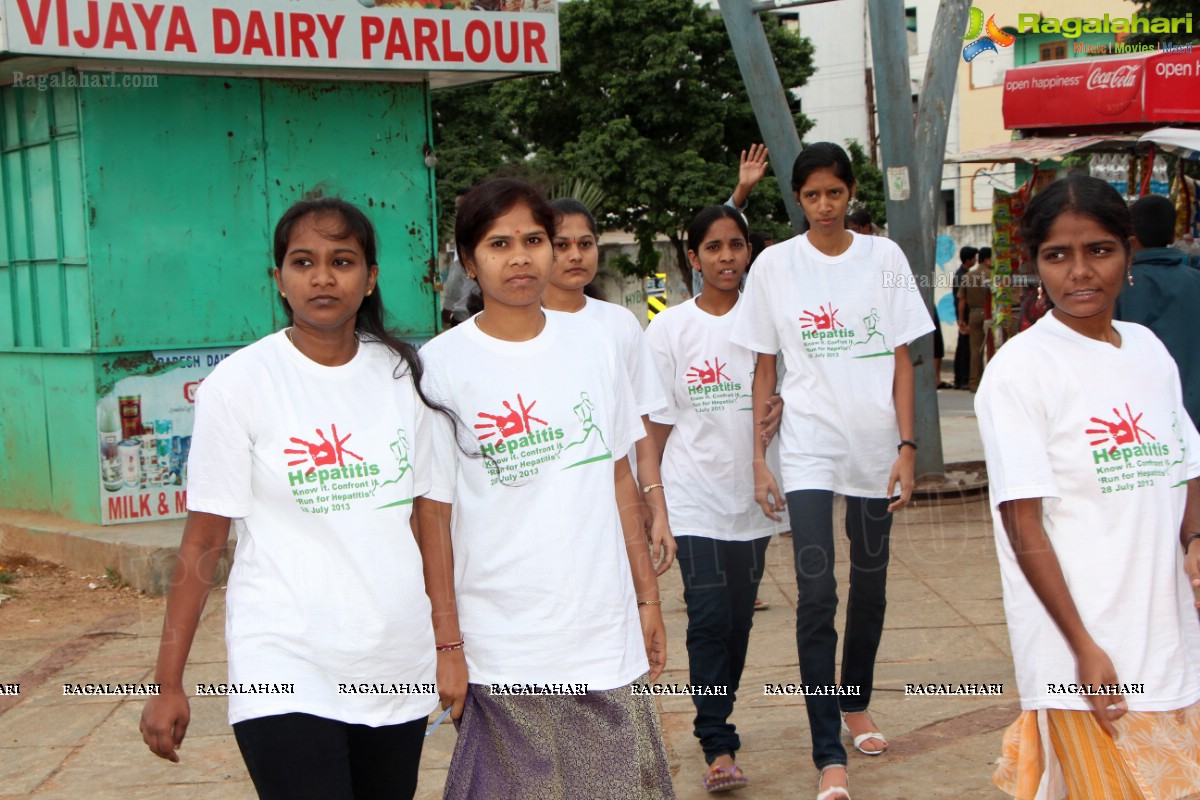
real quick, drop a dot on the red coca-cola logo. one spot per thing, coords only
(1111, 91)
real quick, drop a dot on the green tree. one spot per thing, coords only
(1168, 9)
(869, 190)
(650, 106)
(473, 141)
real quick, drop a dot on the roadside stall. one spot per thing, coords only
(1112, 109)
(146, 151)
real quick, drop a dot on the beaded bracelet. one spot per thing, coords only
(442, 648)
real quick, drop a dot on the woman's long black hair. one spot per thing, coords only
(345, 220)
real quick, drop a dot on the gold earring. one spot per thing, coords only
(369, 292)
(283, 295)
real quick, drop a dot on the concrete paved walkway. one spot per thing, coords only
(945, 625)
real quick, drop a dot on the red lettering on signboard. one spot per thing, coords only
(303, 28)
(149, 23)
(510, 55)
(448, 50)
(181, 502)
(118, 29)
(116, 507)
(477, 30)
(372, 34)
(331, 31)
(256, 34)
(122, 507)
(227, 31)
(36, 31)
(179, 32)
(397, 42)
(425, 36)
(93, 35)
(535, 37)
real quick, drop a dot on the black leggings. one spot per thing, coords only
(300, 756)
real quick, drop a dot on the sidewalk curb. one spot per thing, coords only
(136, 552)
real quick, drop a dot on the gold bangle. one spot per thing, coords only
(646, 489)
(649, 602)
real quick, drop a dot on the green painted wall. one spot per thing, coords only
(141, 219)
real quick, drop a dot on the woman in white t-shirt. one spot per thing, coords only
(708, 469)
(839, 308)
(576, 259)
(313, 443)
(1092, 464)
(546, 610)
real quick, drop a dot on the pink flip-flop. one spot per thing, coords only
(722, 779)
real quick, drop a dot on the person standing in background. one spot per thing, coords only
(974, 300)
(962, 350)
(456, 289)
(1164, 294)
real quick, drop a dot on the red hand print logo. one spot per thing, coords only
(513, 423)
(323, 453)
(825, 321)
(709, 374)
(1124, 431)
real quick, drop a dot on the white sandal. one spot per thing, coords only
(833, 791)
(862, 737)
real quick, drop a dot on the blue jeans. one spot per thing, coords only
(868, 527)
(720, 582)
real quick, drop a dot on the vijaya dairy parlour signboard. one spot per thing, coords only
(513, 36)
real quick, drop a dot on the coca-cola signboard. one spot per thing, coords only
(1112, 90)
(1124, 91)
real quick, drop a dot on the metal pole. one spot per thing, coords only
(914, 174)
(767, 96)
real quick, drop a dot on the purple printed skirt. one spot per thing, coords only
(599, 746)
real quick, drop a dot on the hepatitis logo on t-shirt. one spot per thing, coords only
(1126, 455)
(515, 422)
(826, 336)
(823, 334)
(709, 374)
(336, 475)
(324, 453)
(515, 442)
(826, 320)
(710, 388)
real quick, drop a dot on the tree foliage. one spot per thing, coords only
(868, 193)
(1168, 9)
(649, 105)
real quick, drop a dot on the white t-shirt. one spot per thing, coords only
(544, 589)
(837, 320)
(318, 467)
(623, 326)
(1102, 435)
(708, 464)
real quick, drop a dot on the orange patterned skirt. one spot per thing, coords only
(1052, 754)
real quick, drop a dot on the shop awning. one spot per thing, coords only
(1044, 148)
(1130, 90)
(1182, 142)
